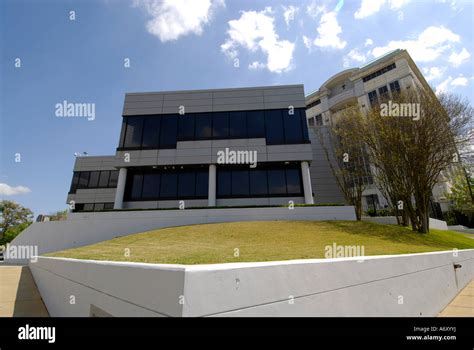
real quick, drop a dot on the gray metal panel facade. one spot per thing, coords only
(323, 182)
(254, 98)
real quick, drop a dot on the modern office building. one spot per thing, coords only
(226, 147)
(366, 86)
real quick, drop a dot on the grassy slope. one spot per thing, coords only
(265, 241)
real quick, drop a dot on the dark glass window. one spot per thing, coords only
(133, 135)
(319, 120)
(88, 206)
(395, 87)
(276, 182)
(98, 206)
(151, 185)
(83, 179)
(137, 184)
(255, 124)
(314, 103)
(202, 183)
(220, 125)
(113, 178)
(373, 99)
(292, 126)
(169, 185)
(224, 183)
(108, 206)
(240, 183)
(75, 181)
(94, 179)
(104, 178)
(203, 126)
(238, 125)
(169, 131)
(258, 182)
(151, 132)
(383, 92)
(122, 132)
(293, 181)
(186, 127)
(186, 184)
(274, 126)
(304, 125)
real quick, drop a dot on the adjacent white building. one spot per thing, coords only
(367, 85)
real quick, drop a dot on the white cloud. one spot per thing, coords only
(328, 32)
(256, 65)
(433, 73)
(444, 85)
(256, 31)
(429, 45)
(314, 10)
(398, 4)
(356, 55)
(289, 14)
(456, 59)
(7, 190)
(368, 42)
(459, 81)
(369, 7)
(172, 19)
(307, 42)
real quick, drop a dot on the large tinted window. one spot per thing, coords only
(304, 124)
(94, 179)
(104, 178)
(186, 127)
(151, 186)
(255, 124)
(122, 132)
(276, 182)
(203, 126)
(202, 183)
(240, 183)
(293, 181)
(186, 184)
(292, 126)
(133, 135)
(220, 125)
(74, 182)
(169, 185)
(113, 178)
(83, 179)
(169, 131)
(274, 126)
(238, 125)
(151, 132)
(137, 184)
(224, 183)
(258, 182)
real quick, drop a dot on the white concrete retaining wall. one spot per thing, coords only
(392, 220)
(87, 228)
(395, 285)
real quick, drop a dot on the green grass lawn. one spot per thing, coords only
(264, 241)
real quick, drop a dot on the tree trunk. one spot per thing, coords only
(424, 220)
(358, 210)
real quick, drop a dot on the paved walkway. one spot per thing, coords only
(462, 305)
(19, 296)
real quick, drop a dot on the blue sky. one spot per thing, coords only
(196, 44)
